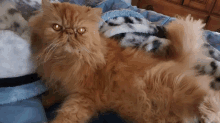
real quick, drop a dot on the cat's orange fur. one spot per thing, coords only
(98, 75)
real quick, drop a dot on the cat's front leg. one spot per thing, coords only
(51, 97)
(77, 108)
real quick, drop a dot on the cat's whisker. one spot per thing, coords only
(46, 58)
(59, 57)
(51, 48)
(39, 57)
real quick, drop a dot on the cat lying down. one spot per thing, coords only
(98, 75)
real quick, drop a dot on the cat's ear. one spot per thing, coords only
(46, 5)
(97, 11)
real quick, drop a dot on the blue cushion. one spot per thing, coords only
(25, 111)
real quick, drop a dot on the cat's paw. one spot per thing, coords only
(210, 108)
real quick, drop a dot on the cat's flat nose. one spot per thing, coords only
(69, 31)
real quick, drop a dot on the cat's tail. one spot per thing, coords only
(186, 36)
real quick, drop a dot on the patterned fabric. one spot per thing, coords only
(16, 64)
(145, 35)
(136, 32)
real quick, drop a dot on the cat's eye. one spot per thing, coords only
(81, 30)
(57, 27)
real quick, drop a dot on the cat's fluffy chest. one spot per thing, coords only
(122, 68)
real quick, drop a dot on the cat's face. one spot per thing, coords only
(63, 28)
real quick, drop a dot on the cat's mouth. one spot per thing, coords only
(69, 48)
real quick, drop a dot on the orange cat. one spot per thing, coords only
(98, 75)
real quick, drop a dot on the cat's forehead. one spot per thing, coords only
(70, 15)
(70, 8)
(70, 12)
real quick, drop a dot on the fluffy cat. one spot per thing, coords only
(98, 75)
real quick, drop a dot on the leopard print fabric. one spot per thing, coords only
(11, 19)
(145, 35)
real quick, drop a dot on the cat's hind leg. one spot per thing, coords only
(210, 108)
(186, 48)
